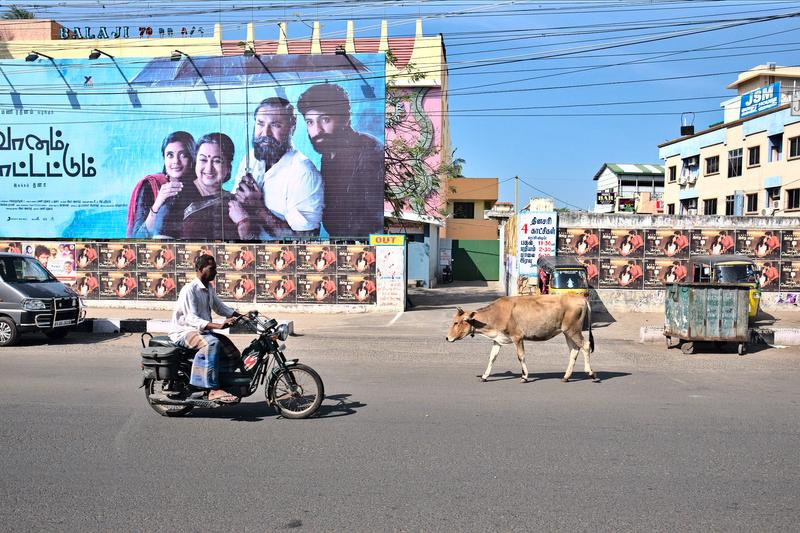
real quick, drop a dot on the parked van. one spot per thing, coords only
(32, 299)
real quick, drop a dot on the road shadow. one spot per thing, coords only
(544, 376)
(452, 295)
(332, 406)
(336, 405)
(724, 348)
(602, 319)
(73, 338)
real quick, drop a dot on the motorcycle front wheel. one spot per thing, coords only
(153, 386)
(296, 391)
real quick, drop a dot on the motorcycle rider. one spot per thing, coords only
(192, 327)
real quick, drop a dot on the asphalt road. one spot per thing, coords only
(407, 439)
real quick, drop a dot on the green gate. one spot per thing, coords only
(476, 260)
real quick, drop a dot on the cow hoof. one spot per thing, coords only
(564, 380)
(595, 377)
(483, 379)
(523, 380)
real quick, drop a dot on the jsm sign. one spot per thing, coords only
(760, 100)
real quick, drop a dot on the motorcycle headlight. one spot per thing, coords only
(282, 332)
(29, 304)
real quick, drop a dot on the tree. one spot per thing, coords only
(412, 176)
(15, 12)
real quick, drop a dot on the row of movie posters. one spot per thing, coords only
(64, 259)
(654, 273)
(678, 244)
(261, 287)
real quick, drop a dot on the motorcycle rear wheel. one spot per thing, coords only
(298, 400)
(152, 386)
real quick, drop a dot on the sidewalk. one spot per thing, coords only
(433, 308)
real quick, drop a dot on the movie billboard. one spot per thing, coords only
(182, 150)
(666, 243)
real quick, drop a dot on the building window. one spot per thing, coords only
(753, 156)
(730, 205)
(775, 143)
(673, 174)
(689, 207)
(734, 163)
(712, 165)
(463, 210)
(670, 209)
(793, 199)
(794, 147)
(710, 206)
(752, 203)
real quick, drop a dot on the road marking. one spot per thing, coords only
(678, 381)
(398, 315)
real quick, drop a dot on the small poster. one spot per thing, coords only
(276, 258)
(157, 256)
(117, 256)
(157, 286)
(316, 288)
(357, 289)
(536, 237)
(276, 288)
(87, 286)
(57, 257)
(712, 242)
(578, 241)
(244, 286)
(790, 276)
(182, 278)
(224, 284)
(621, 273)
(359, 259)
(666, 243)
(758, 243)
(316, 258)
(621, 242)
(790, 239)
(236, 258)
(592, 271)
(768, 275)
(14, 247)
(118, 285)
(658, 272)
(87, 257)
(185, 254)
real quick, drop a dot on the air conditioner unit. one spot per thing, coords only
(681, 180)
(767, 211)
(776, 204)
(692, 178)
(692, 211)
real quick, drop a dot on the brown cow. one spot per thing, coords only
(513, 319)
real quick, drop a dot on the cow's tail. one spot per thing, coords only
(589, 323)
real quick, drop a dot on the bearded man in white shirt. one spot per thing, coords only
(282, 195)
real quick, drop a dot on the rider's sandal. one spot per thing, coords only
(230, 398)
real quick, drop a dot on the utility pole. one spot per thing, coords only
(516, 194)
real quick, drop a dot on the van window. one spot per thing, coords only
(569, 279)
(23, 270)
(736, 274)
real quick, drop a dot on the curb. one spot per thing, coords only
(768, 336)
(142, 325)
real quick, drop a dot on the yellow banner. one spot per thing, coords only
(387, 240)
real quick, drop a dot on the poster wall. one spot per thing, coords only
(165, 157)
(649, 258)
(254, 273)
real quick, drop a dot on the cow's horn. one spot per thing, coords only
(459, 310)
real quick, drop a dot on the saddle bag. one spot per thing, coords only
(161, 362)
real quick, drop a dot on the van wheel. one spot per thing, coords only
(8, 332)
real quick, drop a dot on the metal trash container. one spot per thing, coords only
(703, 312)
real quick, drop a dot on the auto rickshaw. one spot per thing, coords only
(560, 275)
(717, 269)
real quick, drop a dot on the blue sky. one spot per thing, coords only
(541, 90)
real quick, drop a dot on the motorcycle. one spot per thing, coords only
(447, 274)
(296, 390)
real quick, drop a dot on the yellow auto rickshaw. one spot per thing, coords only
(560, 275)
(716, 269)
